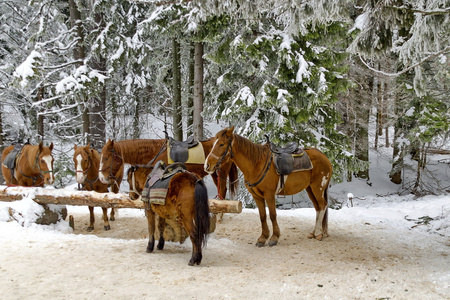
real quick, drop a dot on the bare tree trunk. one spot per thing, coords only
(136, 123)
(177, 111)
(97, 112)
(190, 99)
(40, 117)
(198, 92)
(79, 54)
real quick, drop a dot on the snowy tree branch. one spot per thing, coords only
(445, 50)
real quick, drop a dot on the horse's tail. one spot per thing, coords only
(201, 213)
(325, 216)
(233, 181)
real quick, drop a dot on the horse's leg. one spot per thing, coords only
(151, 229)
(318, 198)
(112, 215)
(188, 224)
(106, 225)
(263, 218)
(91, 219)
(161, 227)
(273, 218)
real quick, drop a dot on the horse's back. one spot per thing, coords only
(320, 161)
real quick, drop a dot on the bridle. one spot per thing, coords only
(86, 180)
(115, 157)
(40, 172)
(220, 160)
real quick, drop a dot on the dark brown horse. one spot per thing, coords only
(262, 180)
(87, 161)
(186, 200)
(33, 166)
(135, 152)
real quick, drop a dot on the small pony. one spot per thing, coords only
(186, 200)
(28, 165)
(87, 161)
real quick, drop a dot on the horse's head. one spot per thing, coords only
(221, 150)
(136, 177)
(110, 163)
(45, 160)
(83, 161)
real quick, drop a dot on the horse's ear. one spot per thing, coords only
(230, 130)
(75, 147)
(41, 146)
(51, 146)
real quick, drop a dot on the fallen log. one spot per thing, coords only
(85, 198)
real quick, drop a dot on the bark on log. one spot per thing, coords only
(108, 200)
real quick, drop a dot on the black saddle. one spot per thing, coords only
(284, 156)
(179, 150)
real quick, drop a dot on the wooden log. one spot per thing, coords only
(108, 200)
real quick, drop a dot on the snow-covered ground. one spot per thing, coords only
(385, 246)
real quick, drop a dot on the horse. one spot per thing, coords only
(115, 154)
(87, 161)
(262, 181)
(33, 166)
(186, 199)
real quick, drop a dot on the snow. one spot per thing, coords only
(25, 70)
(381, 245)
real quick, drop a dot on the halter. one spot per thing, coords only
(115, 155)
(86, 180)
(40, 172)
(220, 160)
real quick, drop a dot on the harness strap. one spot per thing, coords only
(263, 173)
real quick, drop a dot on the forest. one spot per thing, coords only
(343, 76)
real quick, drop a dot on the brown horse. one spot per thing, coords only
(187, 200)
(87, 161)
(262, 180)
(33, 166)
(135, 152)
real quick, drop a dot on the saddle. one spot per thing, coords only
(11, 159)
(288, 159)
(182, 151)
(157, 184)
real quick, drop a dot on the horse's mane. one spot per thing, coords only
(139, 166)
(138, 151)
(256, 153)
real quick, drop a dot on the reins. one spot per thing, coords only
(263, 172)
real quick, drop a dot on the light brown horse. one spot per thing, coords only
(33, 167)
(87, 161)
(262, 180)
(187, 200)
(135, 152)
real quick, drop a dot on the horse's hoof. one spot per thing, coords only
(319, 237)
(107, 227)
(90, 228)
(310, 236)
(260, 244)
(112, 219)
(149, 250)
(273, 243)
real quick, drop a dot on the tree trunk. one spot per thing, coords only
(190, 98)
(176, 101)
(198, 92)
(40, 117)
(79, 54)
(136, 122)
(362, 112)
(109, 200)
(97, 112)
